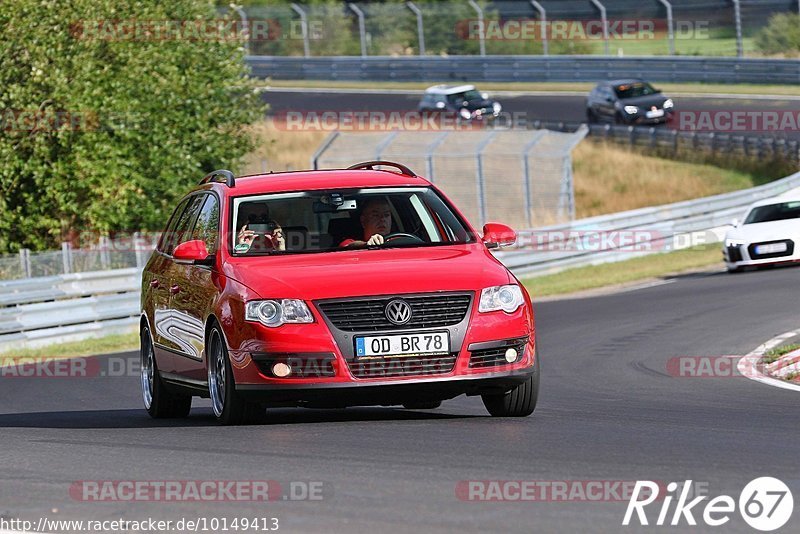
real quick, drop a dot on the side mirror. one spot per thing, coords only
(192, 252)
(735, 223)
(498, 235)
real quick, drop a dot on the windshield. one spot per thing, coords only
(774, 212)
(633, 90)
(322, 221)
(467, 95)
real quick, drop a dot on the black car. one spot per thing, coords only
(631, 101)
(463, 100)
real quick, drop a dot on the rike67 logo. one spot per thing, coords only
(765, 504)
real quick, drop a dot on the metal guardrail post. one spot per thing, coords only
(737, 15)
(526, 172)
(362, 28)
(670, 26)
(25, 261)
(322, 148)
(543, 22)
(303, 28)
(420, 26)
(604, 20)
(245, 27)
(66, 257)
(383, 144)
(481, 182)
(481, 26)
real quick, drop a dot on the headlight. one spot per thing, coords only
(497, 108)
(669, 104)
(465, 114)
(734, 243)
(277, 312)
(507, 298)
(631, 110)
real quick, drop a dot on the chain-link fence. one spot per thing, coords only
(468, 27)
(520, 177)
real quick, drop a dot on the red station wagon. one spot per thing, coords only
(331, 288)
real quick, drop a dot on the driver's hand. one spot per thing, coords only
(377, 239)
(246, 236)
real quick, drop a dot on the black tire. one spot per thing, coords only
(159, 401)
(422, 405)
(519, 402)
(228, 406)
(591, 117)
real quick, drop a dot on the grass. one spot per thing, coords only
(637, 269)
(772, 355)
(279, 150)
(557, 87)
(74, 349)
(609, 178)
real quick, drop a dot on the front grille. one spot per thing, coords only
(497, 355)
(788, 252)
(734, 254)
(302, 366)
(368, 315)
(387, 367)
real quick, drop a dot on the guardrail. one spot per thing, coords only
(70, 307)
(38, 311)
(527, 69)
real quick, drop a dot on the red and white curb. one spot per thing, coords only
(748, 365)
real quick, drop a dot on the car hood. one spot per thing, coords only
(766, 231)
(370, 272)
(647, 101)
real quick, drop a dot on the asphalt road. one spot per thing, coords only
(609, 410)
(553, 107)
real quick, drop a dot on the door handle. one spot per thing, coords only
(154, 284)
(175, 290)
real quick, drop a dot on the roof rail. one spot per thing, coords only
(368, 165)
(222, 176)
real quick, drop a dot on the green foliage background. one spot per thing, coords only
(781, 35)
(156, 115)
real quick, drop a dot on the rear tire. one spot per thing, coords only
(159, 401)
(422, 405)
(229, 407)
(590, 116)
(520, 401)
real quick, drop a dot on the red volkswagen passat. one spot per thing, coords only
(331, 288)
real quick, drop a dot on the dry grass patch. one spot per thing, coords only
(280, 150)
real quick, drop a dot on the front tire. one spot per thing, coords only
(520, 401)
(160, 402)
(228, 406)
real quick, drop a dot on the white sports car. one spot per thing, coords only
(768, 235)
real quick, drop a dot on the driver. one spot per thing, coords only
(376, 220)
(255, 215)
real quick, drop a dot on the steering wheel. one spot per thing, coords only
(401, 238)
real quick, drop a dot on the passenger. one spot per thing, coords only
(255, 216)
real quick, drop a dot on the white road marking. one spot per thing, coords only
(747, 365)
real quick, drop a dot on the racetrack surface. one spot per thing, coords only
(568, 108)
(609, 410)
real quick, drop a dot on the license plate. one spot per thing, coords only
(655, 113)
(772, 248)
(403, 345)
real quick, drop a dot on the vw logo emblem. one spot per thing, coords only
(398, 312)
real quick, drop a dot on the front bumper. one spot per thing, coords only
(744, 255)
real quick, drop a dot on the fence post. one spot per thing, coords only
(105, 256)
(481, 182)
(604, 20)
(429, 156)
(25, 261)
(362, 29)
(543, 23)
(527, 175)
(245, 28)
(481, 26)
(670, 27)
(420, 26)
(66, 257)
(322, 149)
(137, 248)
(303, 28)
(737, 14)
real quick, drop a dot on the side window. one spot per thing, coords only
(185, 222)
(166, 237)
(207, 226)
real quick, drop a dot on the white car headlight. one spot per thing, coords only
(497, 108)
(465, 114)
(669, 104)
(507, 298)
(277, 312)
(631, 110)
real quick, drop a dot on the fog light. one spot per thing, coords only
(281, 370)
(511, 355)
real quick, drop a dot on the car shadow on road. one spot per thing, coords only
(137, 418)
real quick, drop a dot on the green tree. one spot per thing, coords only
(104, 125)
(781, 35)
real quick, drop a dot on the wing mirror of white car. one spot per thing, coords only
(735, 223)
